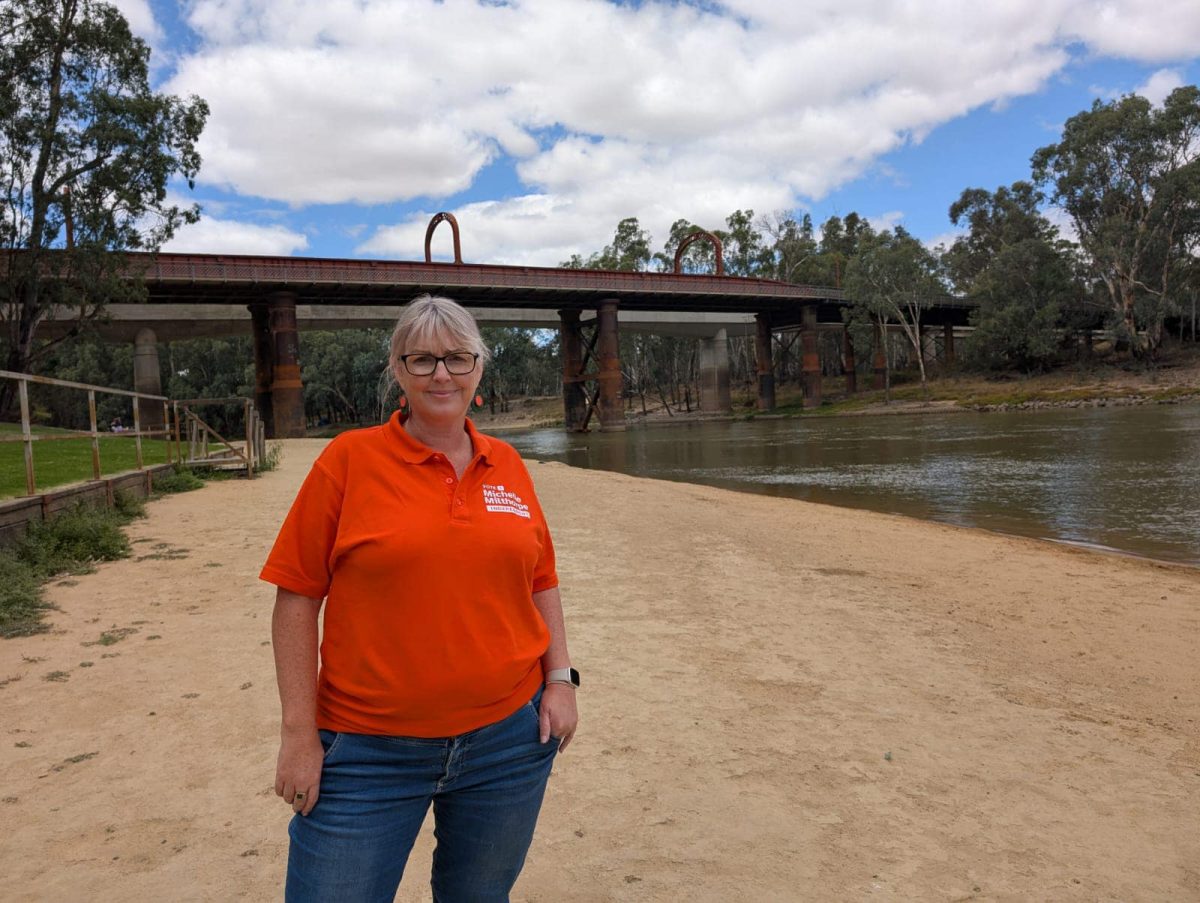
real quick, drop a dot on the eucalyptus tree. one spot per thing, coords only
(87, 151)
(1013, 263)
(894, 277)
(1128, 174)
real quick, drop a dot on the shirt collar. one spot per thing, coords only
(415, 452)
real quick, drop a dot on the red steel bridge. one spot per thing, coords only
(271, 287)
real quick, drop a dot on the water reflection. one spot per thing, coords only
(1125, 478)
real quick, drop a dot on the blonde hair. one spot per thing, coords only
(428, 318)
(424, 322)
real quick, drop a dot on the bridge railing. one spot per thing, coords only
(29, 436)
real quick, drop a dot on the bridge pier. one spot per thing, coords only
(714, 374)
(287, 391)
(764, 365)
(264, 363)
(575, 403)
(610, 406)
(810, 360)
(948, 345)
(849, 365)
(147, 377)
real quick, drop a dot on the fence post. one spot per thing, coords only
(167, 429)
(137, 431)
(23, 391)
(178, 439)
(249, 440)
(95, 434)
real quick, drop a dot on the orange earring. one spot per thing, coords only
(403, 402)
(479, 401)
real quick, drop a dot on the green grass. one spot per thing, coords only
(66, 461)
(71, 543)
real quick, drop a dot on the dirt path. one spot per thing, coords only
(783, 701)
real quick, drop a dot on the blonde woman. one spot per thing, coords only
(444, 675)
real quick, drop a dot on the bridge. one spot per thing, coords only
(584, 305)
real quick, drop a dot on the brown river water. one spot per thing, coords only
(1125, 479)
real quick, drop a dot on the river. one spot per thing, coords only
(1126, 478)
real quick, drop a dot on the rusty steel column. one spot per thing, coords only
(287, 391)
(611, 410)
(879, 365)
(574, 392)
(948, 344)
(264, 364)
(714, 374)
(762, 358)
(810, 360)
(849, 364)
(147, 378)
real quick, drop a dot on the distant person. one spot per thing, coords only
(117, 426)
(444, 674)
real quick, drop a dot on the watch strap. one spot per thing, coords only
(563, 676)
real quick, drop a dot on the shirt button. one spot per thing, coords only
(459, 502)
(449, 480)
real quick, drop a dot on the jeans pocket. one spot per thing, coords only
(330, 740)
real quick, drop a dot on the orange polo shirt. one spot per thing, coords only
(430, 628)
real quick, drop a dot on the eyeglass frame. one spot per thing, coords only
(440, 360)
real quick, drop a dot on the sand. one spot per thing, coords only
(782, 701)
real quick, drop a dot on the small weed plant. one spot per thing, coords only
(71, 543)
(181, 479)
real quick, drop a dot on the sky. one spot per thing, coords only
(339, 127)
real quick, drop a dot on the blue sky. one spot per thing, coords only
(339, 126)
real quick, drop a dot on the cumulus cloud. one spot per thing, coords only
(666, 110)
(1159, 85)
(227, 236)
(140, 18)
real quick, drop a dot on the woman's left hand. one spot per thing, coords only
(558, 715)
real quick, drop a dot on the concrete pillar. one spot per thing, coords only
(147, 377)
(849, 365)
(810, 359)
(612, 412)
(287, 391)
(762, 358)
(879, 364)
(574, 391)
(948, 345)
(264, 364)
(714, 374)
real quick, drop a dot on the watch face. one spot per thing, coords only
(574, 677)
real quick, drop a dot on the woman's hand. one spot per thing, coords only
(558, 715)
(298, 770)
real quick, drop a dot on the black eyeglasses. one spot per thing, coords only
(458, 363)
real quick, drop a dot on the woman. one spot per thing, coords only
(445, 678)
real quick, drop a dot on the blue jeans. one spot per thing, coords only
(486, 787)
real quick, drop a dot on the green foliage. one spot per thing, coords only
(1129, 176)
(1012, 263)
(270, 461)
(73, 541)
(181, 479)
(21, 602)
(341, 372)
(524, 362)
(86, 152)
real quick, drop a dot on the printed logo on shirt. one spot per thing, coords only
(503, 501)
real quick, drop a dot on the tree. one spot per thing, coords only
(894, 277)
(1013, 264)
(87, 151)
(1129, 176)
(630, 250)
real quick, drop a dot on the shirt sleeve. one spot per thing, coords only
(299, 560)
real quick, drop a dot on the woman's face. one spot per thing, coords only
(442, 395)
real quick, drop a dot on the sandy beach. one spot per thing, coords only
(782, 702)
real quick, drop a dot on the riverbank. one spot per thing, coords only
(1175, 379)
(782, 701)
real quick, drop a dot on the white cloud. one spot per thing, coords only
(663, 109)
(226, 236)
(140, 18)
(1159, 85)
(1060, 219)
